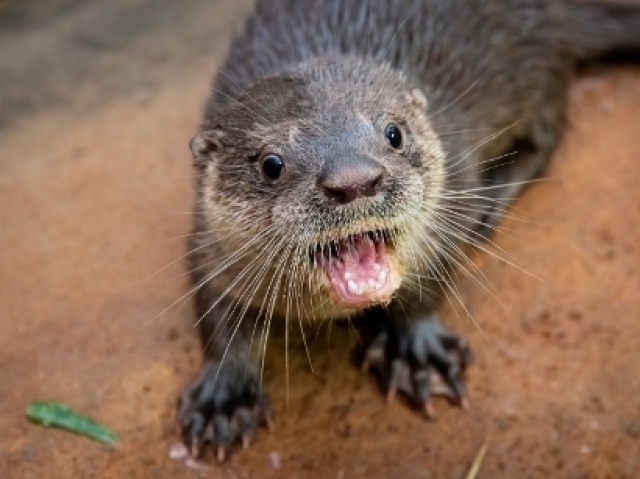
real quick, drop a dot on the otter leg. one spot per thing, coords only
(420, 358)
(225, 404)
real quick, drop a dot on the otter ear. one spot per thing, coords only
(203, 147)
(418, 97)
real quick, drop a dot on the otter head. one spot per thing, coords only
(325, 179)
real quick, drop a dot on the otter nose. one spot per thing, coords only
(343, 183)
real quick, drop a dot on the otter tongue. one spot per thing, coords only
(359, 272)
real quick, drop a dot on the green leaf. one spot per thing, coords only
(53, 414)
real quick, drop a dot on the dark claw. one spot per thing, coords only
(375, 353)
(223, 434)
(396, 379)
(246, 426)
(262, 411)
(192, 433)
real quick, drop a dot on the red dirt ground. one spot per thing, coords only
(98, 100)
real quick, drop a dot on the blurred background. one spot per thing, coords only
(98, 100)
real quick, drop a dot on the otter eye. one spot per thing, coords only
(272, 166)
(393, 135)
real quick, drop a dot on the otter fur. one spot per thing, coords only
(349, 154)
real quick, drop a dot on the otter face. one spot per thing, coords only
(329, 177)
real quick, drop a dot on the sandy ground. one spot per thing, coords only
(97, 103)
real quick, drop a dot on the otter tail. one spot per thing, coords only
(604, 29)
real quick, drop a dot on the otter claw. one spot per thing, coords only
(375, 353)
(428, 410)
(269, 424)
(220, 455)
(391, 395)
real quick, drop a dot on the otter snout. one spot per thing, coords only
(350, 177)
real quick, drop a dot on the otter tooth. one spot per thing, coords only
(382, 277)
(351, 287)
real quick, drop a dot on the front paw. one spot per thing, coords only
(223, 407)
(422, 359)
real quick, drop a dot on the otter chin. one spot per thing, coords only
(360, 269)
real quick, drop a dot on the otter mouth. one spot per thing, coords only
(358, 267)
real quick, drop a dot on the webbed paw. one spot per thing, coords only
(421, 359)
(223, 407)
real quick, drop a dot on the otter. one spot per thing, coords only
(349, 154)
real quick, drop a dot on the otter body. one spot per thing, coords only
(348, 154)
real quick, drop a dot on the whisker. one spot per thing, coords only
(458, 98)
(220, 92)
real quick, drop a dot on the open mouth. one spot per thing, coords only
(358, 267)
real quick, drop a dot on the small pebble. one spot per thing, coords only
(274, 458)
(178, 451)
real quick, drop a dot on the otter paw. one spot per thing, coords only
(223, 407)
(421, 359)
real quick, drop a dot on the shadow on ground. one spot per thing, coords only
(97, 103)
